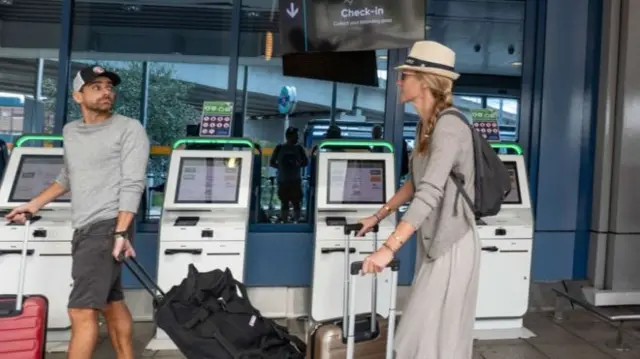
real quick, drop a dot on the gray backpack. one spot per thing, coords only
(492, 181)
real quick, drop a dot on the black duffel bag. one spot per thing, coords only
(210, 316)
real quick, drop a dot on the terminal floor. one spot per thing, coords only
(580, 336)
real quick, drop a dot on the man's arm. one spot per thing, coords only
(304, 160)
(134, 157)
(273, 161)
(55, 190)
(58, 188)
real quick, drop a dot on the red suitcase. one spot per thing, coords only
(23, 319)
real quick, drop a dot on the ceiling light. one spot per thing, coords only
(516, 63)
(131, 7)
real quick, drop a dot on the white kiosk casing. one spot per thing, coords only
(505, 267)
(29, 171)
(204, 219)
(334, 201)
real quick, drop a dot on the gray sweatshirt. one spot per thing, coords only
(105, 168)
(440, 214)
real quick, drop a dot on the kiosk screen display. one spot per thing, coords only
(514, 196)
(35, 173)
(356, 182)
(208, 180)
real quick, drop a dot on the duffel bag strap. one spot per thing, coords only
(284, 334)
(199, 317)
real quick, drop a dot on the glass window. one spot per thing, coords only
(260, 80)
(29, 29)
(508, 116)
(171, 59)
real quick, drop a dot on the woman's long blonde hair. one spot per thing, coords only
(441, 89)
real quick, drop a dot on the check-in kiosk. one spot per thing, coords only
(205, 216)
(349, 186)
(4, 157)
(29, 171)
(505, 267)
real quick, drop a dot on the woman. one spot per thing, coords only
(438, 320)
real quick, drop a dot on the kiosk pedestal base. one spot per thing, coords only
(610, 297)
(161, 344)
(58, 340)
(499, 329)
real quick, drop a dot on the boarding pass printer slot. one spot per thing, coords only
(186, 221)
(194, 251)
(16, 251)
(335, 221)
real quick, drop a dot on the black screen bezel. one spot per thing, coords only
(384, 182)
(513, 165)
(16, 178)
(239, 163)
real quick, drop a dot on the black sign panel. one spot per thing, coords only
(350, 25)
(293, 32)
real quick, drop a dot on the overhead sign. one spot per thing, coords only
(485, 121)
(350, 25)
(287, 100)
(216, 119)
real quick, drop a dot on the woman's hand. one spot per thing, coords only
(378, 261)
(367, 225)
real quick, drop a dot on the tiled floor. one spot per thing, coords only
(579, 336)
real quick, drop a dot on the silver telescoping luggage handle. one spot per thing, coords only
(354, 271)
(22, 273)
(348, 230)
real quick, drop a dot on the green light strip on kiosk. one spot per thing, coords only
(27, 138)
(508, 146)
(220, 141)
(347, 143)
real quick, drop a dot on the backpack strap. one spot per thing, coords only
(458, 179)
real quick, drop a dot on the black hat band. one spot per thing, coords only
(412, 61)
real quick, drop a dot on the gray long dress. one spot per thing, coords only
(437, 322)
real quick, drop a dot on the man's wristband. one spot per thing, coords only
(121, 234)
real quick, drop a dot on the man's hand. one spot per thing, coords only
(122, 248)
(17, 215)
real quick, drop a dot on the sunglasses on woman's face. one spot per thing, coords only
(403, 75)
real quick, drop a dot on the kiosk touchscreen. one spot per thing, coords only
(350, 186)
(507, 239)
(29, 171)
(204, 219)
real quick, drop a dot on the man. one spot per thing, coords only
(289, 158)
(376, 134)
(106, 157)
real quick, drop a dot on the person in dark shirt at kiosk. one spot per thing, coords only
(289, 158)
(376, 134)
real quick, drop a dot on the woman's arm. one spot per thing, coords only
(444, 150)
(401, 197)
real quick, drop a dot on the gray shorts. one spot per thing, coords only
(95, 273)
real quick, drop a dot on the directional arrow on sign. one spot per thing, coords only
(292, 11)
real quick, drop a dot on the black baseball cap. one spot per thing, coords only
(91, 73)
